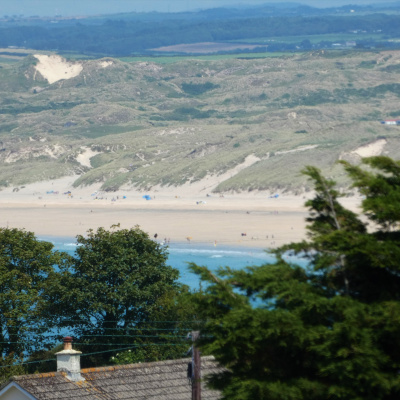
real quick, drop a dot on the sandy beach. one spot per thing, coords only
(188, 213)
(177, 214)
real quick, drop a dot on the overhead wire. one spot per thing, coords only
(115, 336)
(134, 321)
(122, 330)
(93, 353)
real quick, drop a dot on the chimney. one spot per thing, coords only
(69, 361)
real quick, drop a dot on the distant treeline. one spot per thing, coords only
(127, 37)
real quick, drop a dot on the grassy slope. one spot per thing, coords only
(176, 122)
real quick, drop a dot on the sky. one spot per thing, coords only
(94, 7)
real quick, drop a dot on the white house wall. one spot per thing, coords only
(13, 392)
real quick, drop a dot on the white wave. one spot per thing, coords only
(211, 252)
(70, 244)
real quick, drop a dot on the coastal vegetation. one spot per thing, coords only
(119, 125)
(244, 84)
(327, 330)
(27, 268)
(118, 102)
(115, 292)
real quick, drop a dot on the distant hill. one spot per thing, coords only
(118, 123)
(129, 34)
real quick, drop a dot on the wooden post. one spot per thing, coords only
(196, 361)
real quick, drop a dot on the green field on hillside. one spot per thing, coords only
(217, 57)
(332, 37)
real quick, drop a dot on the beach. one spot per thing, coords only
(190, 213)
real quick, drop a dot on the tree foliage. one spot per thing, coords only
(115, 291)
(142, 33)
(27, 270)
(328, 330)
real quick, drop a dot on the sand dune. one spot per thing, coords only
(54, 68)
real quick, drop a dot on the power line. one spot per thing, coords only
(115, 344)
(96, 352)
(26, 362)
(124, 344)
(144, 329)
(146, 336)
(131, 347)
(52, 338)
(122, 318)
(120, 329)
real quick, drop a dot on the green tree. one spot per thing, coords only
(27, 268)
(9, 366)
(118, 293)
(327, 330)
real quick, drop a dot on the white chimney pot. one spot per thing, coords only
(69, 361)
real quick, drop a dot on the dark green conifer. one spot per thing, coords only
(329, 330)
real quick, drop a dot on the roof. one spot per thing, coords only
(164, 380)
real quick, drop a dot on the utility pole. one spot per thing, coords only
(196, 366)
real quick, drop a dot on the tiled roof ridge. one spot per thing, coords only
(165, 380)
(109, 368)
(35, 376)
(142, 365)
(17, 378)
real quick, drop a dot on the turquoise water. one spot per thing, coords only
(180, 254)
(205, 255)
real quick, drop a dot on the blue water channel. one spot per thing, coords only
(180, 254)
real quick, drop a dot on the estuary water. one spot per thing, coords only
(180, 254)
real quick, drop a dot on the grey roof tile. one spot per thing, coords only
(164, 380)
